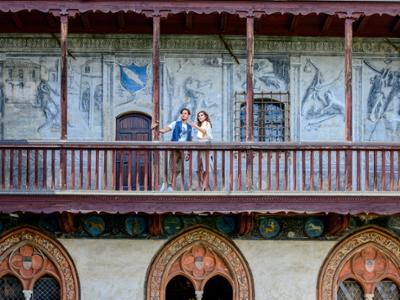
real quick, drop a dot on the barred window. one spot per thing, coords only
(270, 117)
(46, 288)
(11, 288)
(386, 290)
(350, 290)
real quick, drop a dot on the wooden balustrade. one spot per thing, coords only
(127, 166)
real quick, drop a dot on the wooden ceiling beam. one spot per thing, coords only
(121, 24)
(395, 25)
(293, 23)
(223, 22)
(17, 21)
(51, 20)
(362, 24)
(327, 24)
(85, 21)
(189, 21)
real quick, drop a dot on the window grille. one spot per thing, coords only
(386, 290)
(350, 290)
(11, 288)
(46, 288)
(270, 117)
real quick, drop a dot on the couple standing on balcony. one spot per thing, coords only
(182, 132)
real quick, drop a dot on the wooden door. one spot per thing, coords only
(133, 127)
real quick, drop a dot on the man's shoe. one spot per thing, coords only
(170, 189)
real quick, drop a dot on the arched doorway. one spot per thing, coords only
(363, 266)
(34, 266)
(207, 260)
(136, 170)
(180, 288)
(218, 288)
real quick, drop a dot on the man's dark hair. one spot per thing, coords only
(183, 109)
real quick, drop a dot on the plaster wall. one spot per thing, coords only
(111, 269)
(112, 75)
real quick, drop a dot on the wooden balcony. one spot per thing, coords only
(127, 177)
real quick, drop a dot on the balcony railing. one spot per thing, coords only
(229, 167)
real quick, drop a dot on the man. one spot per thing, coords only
(181, 132)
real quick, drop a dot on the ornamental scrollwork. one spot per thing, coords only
(28, 254)
(367, 256)
(200, 254)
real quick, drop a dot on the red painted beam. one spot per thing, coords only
(251, 8)
(175, 203)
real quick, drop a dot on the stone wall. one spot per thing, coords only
(110, 269)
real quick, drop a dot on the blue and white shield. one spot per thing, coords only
(133, 78)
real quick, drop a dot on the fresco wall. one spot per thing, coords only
(109, 76)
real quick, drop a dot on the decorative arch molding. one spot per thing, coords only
(367, 256)
(29, 254)
(199, 254)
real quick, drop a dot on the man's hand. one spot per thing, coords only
(154, 125)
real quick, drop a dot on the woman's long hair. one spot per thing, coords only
(207, 118)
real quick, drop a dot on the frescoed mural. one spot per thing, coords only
(90, 90)
(133, 83)
(322, 103)
(46, 103)
(270, 75)
(319, 103)
(382, 100)
(103, 86)
(30, 98)
(200, 90)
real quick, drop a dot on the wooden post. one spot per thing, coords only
(64, 85)
(156, 96)
(249, 79)
(348, 44)
(249, 99)
(64, 98)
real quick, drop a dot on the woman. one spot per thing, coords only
(204, 134)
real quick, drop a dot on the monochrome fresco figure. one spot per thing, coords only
(383, 103)
(195, 92)
(84, 104)
(319, 103)
(98, 97)
(45, 102)
(270, 74)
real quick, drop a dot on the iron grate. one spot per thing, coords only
(387, 290)
(46, 288)
(10, 288)
(350, 290)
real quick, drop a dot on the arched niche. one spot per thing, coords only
(199, 254)
(367, 257)
(29, 254)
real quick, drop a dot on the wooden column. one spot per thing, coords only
(249, 99)
(64, 84)
(348, 66)
(64, 98)
(348, 48)
(249, 79)
(156, 96)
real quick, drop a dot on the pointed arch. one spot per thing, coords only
(199, 254)
(367, 256)
(29, 254)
